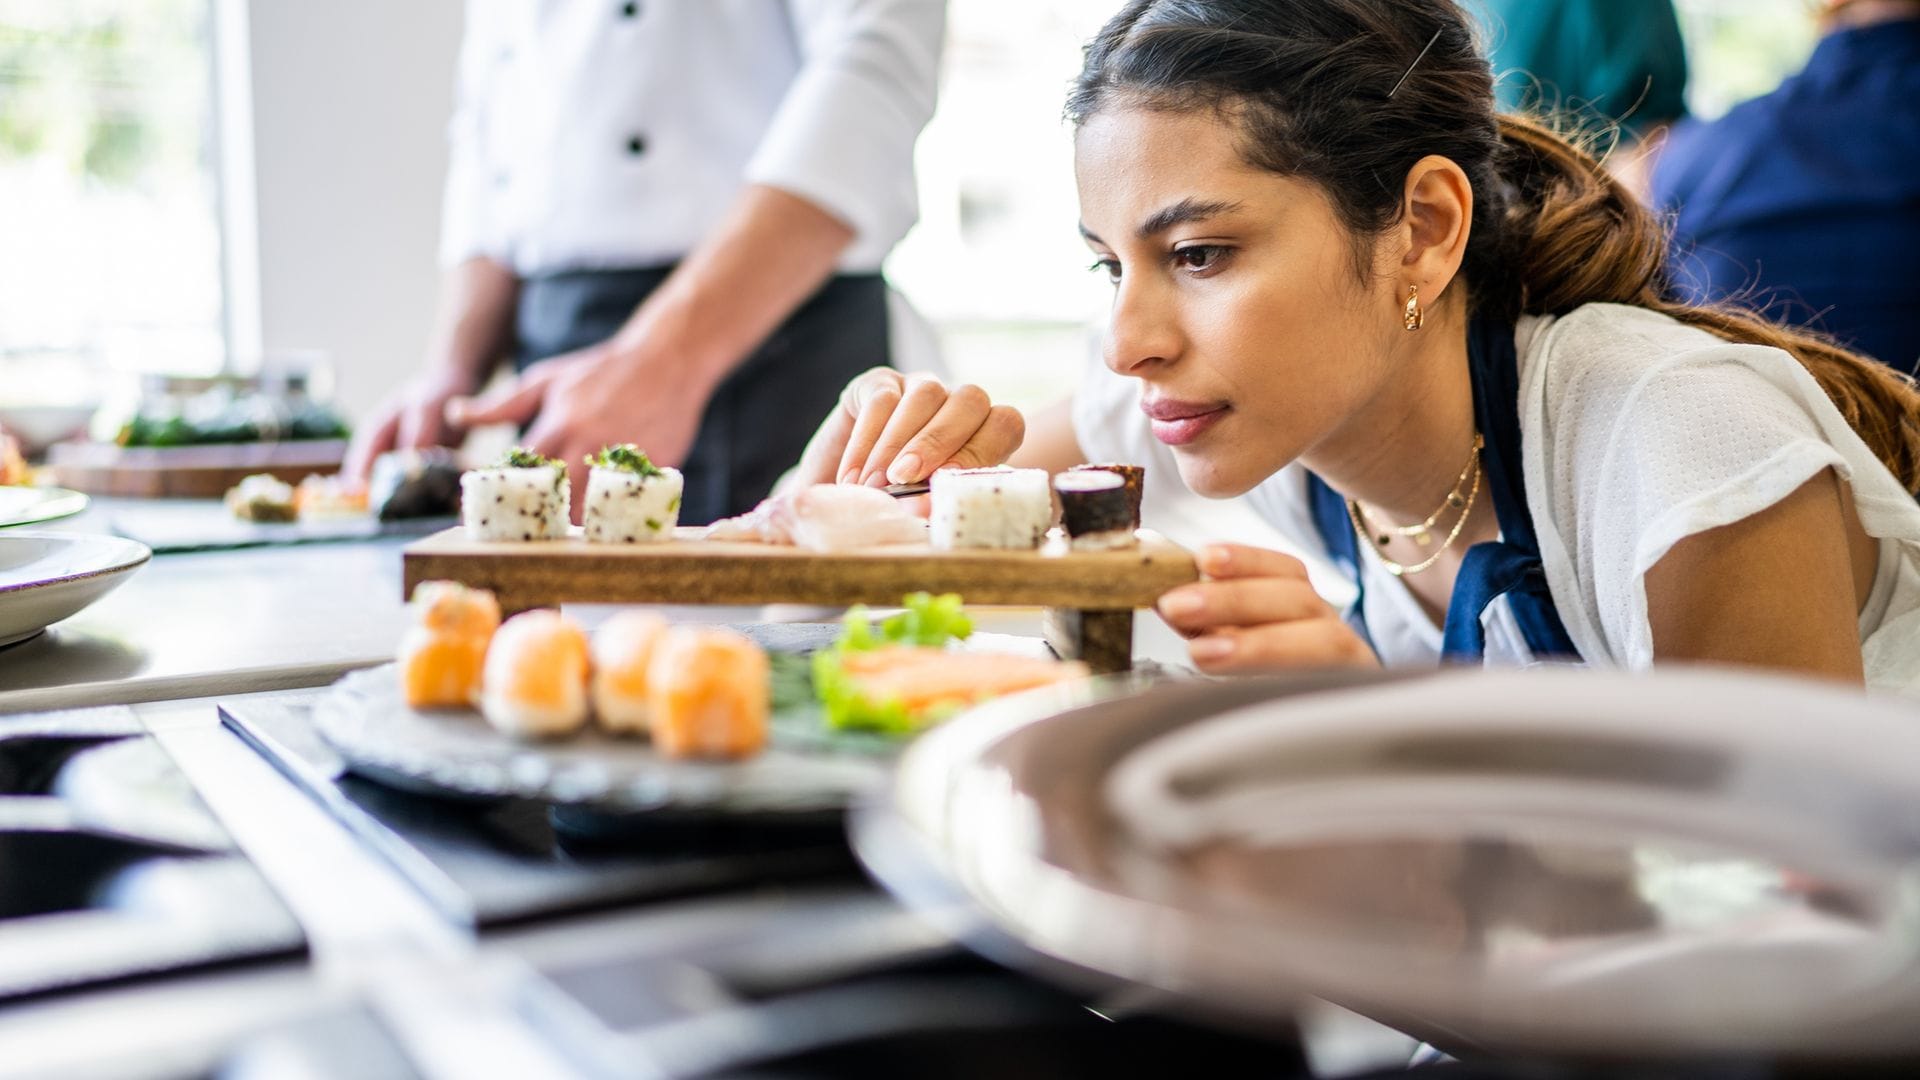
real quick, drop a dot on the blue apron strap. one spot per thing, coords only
(1336, 532)
(1509, 566)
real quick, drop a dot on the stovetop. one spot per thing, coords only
(147, 928)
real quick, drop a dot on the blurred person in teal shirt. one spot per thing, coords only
(1600, 61)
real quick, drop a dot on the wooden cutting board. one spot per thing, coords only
(204, 472)
(1092, 595)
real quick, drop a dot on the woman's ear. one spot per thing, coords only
(1436, 220)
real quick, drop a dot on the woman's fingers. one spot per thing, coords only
(870, 398)
(948, 438)
(1308, 643)
(1196, 609)
(1224, 562)
(999, 436)
(920, 402)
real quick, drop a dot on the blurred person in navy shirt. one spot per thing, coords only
(1807, 200)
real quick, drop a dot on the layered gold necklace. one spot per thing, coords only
(1466, 488)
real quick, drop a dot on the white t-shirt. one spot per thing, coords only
(1637, 431)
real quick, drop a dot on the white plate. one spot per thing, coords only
(1559, 861)
(26, 505)
(45, 577)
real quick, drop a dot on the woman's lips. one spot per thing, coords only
(1177, 423)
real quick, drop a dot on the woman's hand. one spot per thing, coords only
(1256, 611)
(897, 429)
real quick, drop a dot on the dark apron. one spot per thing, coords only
(1509, 566)
(761, 417)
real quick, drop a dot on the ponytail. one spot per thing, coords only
(1574, 235)
(1350, 94)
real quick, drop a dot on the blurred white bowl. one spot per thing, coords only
(40, 426)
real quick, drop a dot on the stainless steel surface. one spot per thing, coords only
(367, 928)
(1562, 862)
(212, 623)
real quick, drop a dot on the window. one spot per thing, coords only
(109, 211)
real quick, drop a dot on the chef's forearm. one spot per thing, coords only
(771, 252)
(474, 326)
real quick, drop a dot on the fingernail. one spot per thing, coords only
(851, 476)
(1181, 603)
(1211, 648)
(905, 469)
(1214, 560)
(876, 479)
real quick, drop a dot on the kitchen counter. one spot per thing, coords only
(245, 620)
(215, 622)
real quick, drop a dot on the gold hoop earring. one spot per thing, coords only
(1416, 318)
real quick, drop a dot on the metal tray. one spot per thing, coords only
(1554, 861)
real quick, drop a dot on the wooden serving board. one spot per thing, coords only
(204, 472)
(1091, 595)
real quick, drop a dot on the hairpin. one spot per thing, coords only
(1416, 62)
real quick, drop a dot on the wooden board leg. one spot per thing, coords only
(1103, 639)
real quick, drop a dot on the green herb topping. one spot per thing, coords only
(522, 458)
(625, 457)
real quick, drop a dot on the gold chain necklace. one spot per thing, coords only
(1422, 533)
(1454, 499)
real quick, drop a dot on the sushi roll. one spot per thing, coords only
(414, 484)
(708, 693)
(442, 652)
(522, 497)
(623, 647)
(534, 682)
(1095, 510)
(262, 497)
(990, 508)
(630, 499)
(1135, 477)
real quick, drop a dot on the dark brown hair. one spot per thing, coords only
(1329, 91)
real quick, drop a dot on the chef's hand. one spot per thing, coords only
(1256, 611)
(413, 418)
(588, 399)
(897, 429)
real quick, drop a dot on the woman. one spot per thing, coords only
(1437, 345)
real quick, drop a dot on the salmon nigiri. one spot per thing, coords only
(708, 692)
(535, 679)
(623, 649)
(442, 651)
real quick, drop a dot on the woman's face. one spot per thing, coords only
(1236, 302)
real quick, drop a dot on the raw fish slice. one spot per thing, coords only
(843, 517)
(756, 526)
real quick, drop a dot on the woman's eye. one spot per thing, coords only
(1109, 267)
(1199, 257)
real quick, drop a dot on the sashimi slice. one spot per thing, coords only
(825, 517)
(921, 678)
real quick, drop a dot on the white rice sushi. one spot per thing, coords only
(629, 498)
(990, 508)
(524, 497)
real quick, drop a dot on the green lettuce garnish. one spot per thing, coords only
(928, 621)
(626, 457)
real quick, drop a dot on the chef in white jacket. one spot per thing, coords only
(671, 215)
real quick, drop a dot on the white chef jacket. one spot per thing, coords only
(616, 133)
